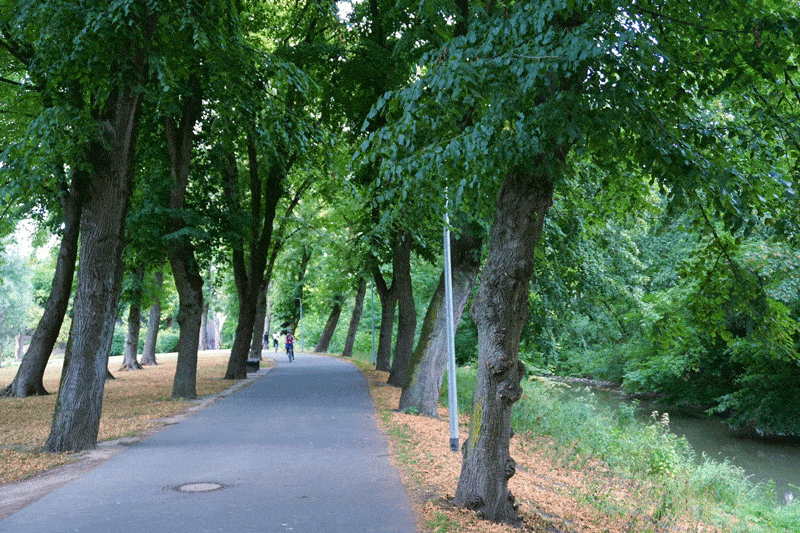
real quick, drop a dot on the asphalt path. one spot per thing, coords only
(298, 450)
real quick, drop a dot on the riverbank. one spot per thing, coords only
(580, 469)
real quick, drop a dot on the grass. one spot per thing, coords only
(134, 402)
(670, 480)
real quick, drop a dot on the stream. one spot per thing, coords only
(762, 459)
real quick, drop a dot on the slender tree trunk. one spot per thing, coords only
(129, 359)
(430, 355)
(330, 326)
(28, 381)
(500, 310)
(76, 420)
(249, 276)
(153, 322)
(258, 326)
(185, 270)
(203, 341)
(358, 308)
(388, 298)
(406, 313)
(19, 352)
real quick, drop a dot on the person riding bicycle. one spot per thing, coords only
(290, 345)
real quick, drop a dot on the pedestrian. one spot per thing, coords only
(275, 338)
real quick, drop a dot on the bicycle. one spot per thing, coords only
(290, 351)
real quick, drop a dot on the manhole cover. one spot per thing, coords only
(199, 487)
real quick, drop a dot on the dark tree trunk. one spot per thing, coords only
(189, 283)
(258, 326)
(249, 276)
(76, 419)
(406, 313)
(388, 298)
(153, 322)
(430, 355)
(358, 308)
(129, 359)
(28, 381)
(500, 310)
(330, 326)
(185, 270)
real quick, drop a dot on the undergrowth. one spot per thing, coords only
(665, 469)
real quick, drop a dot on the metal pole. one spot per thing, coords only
(452, 390)
(372, 306)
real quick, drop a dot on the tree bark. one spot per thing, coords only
(358, 308)
(185, 270)
(110, 157)
(388, 298)
(249, 276)
(330, 326)
(28, 380)
(153, 322)
(430, 356)
(406, 313)
(258, 326)
(129, 359)
(500, 310)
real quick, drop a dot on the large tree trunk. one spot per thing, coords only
(257, 343)
(129, 359)
(76, 420)
(430, 355)
(28, 381)
(330, 326)
(500, 310)
(185, 270)
(358, 308)
(153, 322)
(388, 298)
(189, 283)
(406, 313)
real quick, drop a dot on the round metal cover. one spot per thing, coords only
(199, 487)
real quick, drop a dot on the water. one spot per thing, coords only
(762, 459)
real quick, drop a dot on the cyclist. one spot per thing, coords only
(290, 346)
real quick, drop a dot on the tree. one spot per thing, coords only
(330, 325)
(511, 100)
(62, 58)
(355, 318)
(153, 321)
(421, 392)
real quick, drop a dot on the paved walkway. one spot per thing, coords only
(296, 451)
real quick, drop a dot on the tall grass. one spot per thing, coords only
(681, 483)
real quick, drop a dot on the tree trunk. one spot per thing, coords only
(129, 359)
(76, 420)
(189, 283)
(19, 352)
(500, 310)
(406, 313)
(430, 356)
(153, 322)
(388, 298)
(358, 308)
(203, 340)
(28, 381)
(330, 326)
(185, 270)
(249, 276)
(257, 343)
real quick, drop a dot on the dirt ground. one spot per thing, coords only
(553, 496)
